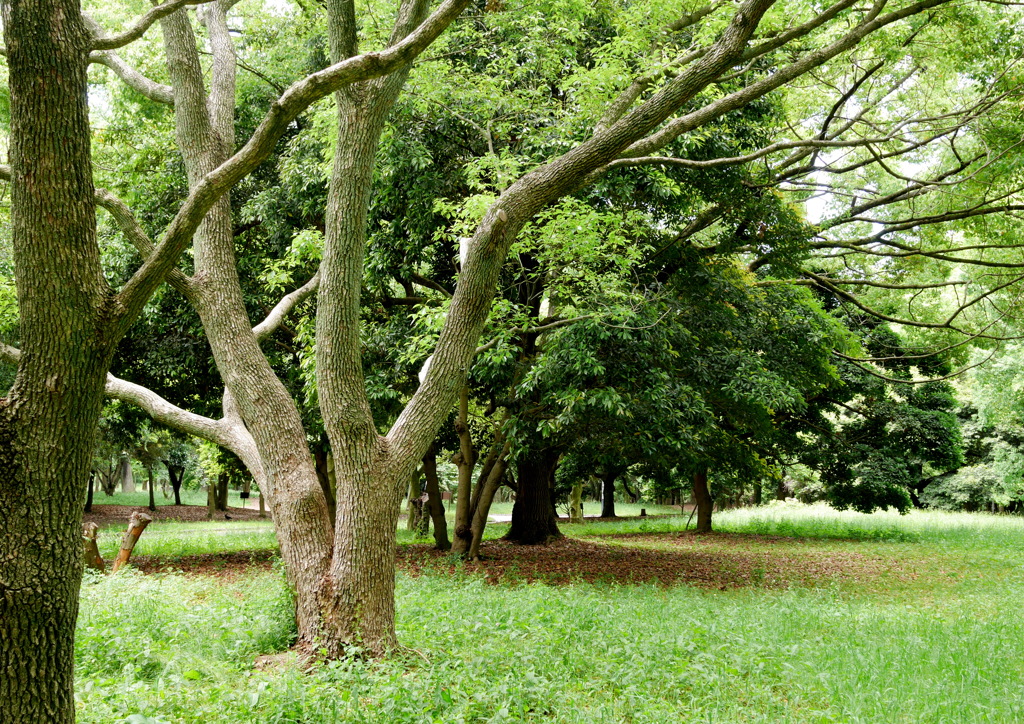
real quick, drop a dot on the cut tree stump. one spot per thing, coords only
(93, 559)
(136, 524)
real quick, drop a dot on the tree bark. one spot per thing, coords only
(465, 461)
(576, 504)
(435, 504)
(175, 474)
(93, 559)
(325, 475)
(48, 418)
(205, 132)
(483, 506)
(136, 526)
(703, 501)
(414, 509)
(220, 499)
(126, 475)
(533, 517)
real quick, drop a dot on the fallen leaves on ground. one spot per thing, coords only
(718, 561)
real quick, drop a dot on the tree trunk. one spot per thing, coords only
(703, 501)
(221, 498)
(325, 475)
(205, 134)
(576, 504)
(48, 418)
(434, 502)
(360, 596)
(608, 495)
(533, 518)
(126, 475)
(93, 559)
(152, 490)
(465, 460)
(483, 507)
(176, 474)
(414, 510)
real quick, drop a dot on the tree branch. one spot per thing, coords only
(283, 111)
(137, 29)
(157, 92)
(281, 310)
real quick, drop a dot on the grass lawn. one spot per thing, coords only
(826, 617)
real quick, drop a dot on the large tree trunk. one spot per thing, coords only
(205, 133)
(533, 516)
(48, 419)
(703, 501)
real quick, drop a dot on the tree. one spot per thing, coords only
(71, 320)
(344, 581)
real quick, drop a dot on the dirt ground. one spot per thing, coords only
(718, 561)
(104, 515)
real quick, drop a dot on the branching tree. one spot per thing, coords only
(687, 70)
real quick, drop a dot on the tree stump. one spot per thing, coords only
(93, 559)
(136, 524)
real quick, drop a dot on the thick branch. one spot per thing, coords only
(137, 29)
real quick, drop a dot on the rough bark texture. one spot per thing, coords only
(703, 501)
(93, 559)
(205, 131)
(359, 600)
(533, 516)
(48, 419)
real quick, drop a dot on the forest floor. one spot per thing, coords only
(718, 561)
(112, 515)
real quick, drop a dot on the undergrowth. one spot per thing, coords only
(169, 648)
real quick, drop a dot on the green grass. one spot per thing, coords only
(169, 539)
(188, 497)
(944, 646)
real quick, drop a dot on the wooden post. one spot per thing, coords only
(93, 559)
(136, 524)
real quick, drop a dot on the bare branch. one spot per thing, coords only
(135, 80)
(283, 308)
(898, 381)
(535, 330)
(137, 29)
